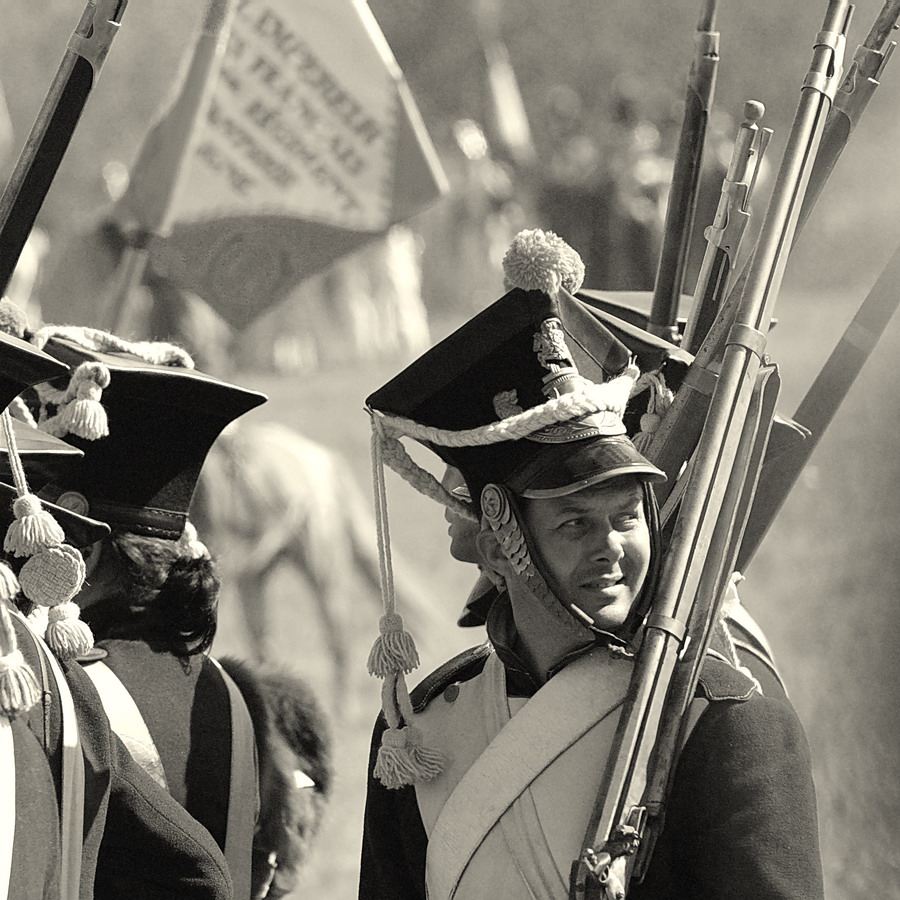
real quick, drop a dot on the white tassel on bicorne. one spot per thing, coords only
(402, 759)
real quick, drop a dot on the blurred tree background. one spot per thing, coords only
(588, 46)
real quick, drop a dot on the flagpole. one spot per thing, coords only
(145, 209)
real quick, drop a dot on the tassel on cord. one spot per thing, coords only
(9, 584)
(33, 528)
(13, 319)
(394, 649)
(19, 689)
(18, 409)
(66, 635)
(658, 402)
(402, 759)
(190, 544)
(82, 413)
(55, 572)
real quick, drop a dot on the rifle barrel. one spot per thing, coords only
(853, 96)
(702, 508)
(685, 178)
(883, 26)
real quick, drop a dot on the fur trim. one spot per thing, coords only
(291, 734)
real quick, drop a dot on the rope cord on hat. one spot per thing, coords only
(589, 398)
(401, 758)
(15, 462)
(397, 459)
(381, 520)
(157, 352)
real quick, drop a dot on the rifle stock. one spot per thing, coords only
(615, 827)
(52, 131)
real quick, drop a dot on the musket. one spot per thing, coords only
(726, 232)
(145, 209)
(678, 432)
(619, 820)
(52, 131)
(821, 402)
(685, 177)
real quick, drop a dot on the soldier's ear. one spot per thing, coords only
(495, 565)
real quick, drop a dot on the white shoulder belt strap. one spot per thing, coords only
(71, 813)
(126, 720)
(8, 803)
(557, 716)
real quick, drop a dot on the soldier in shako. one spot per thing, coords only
(111, 830)
(483, 779)
(243, 749)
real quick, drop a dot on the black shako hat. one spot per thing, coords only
(162, 421)
(526, 348)
(43, 456)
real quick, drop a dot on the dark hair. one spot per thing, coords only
(170, 598)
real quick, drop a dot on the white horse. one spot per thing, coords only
(267, 498)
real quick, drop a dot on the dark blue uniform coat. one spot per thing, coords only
(741, 819)
(138, 842)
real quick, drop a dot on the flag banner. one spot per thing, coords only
(311, 145)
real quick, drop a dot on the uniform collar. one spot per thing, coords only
(521, 679)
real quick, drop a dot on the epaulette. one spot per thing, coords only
(721, 681)
(461, 668)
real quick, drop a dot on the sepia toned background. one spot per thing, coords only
(825, 583)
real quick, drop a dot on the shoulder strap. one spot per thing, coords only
(242, 813)
(8, 806)
(126, 720)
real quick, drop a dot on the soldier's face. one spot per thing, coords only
(595, 545)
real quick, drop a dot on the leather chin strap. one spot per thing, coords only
(641, 608)
(499, 507)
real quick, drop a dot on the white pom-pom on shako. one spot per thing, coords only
(542, 261)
